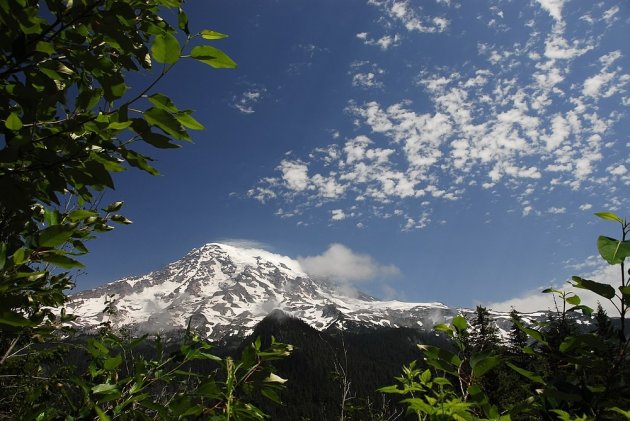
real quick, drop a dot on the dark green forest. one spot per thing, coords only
(67, 118)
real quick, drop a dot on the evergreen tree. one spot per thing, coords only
(484, 335)
(518, 338)
(603, 326)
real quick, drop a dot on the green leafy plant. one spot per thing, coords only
(614, 252)
(68, 120)
(578, 373)
(137, 378)
(450, 387)
(566, 371)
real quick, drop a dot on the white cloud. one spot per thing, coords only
(585, 206)
(593, 85)
(247, 100)
(556, 211)
(410, 16)
(366, 81)
(384, 42)
(553, 7)
(246, 243)
(609, 14)
(339, 263)
(338, 215)
(366, 75)
(535, 300)
(618, 170)
(527, 119)
(295, 174)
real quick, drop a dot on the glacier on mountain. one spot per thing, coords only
(223, 290)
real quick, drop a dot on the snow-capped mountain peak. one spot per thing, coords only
(223, 290)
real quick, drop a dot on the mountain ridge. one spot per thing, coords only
(224, 290)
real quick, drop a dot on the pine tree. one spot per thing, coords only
(485, 334)
(518, 338)
(603, 326)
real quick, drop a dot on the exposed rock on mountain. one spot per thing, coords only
(224, 290)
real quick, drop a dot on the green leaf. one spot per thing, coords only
(121, 219)
(271, 394)
(528, 374)
(163, 102)
(61, 261)
(603, 290)
(158, 140)
(460, 323)
(209, 389)
(532, 333)
(567, 344)
(80, 214)
(55, 236)
(613, 250)
(208, 34)
(562, 415)
(274, 378)
(114, 207)
(45, 47)
(182, 21)
(13, 122)
(79, 246)
(165, 121)
(425, 377)
(391, 389)
(119, 125)
(584, 309)
(3, 255)
(212, 57)
(609, 216)
(165, 48)
(620, 412)
(104, 388)
(169, 3)
(441, 358)
(187, 120)
(444, 328)
(51, 216)
(19, 256)
(12, 318)
(140, 161)
(113, 362)
(573, 300)
(482, 362)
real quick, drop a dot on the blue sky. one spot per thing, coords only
(456, 149)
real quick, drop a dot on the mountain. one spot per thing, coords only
(225, 291)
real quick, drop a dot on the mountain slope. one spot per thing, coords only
(223, 290)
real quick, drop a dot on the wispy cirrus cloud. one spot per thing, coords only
(247, 100)
(411, 15)
(366, 75)
(384, 42)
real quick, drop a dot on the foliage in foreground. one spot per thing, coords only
(69, 120)
(562, 372)
(113, 376)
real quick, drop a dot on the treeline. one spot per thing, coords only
(468, 369)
